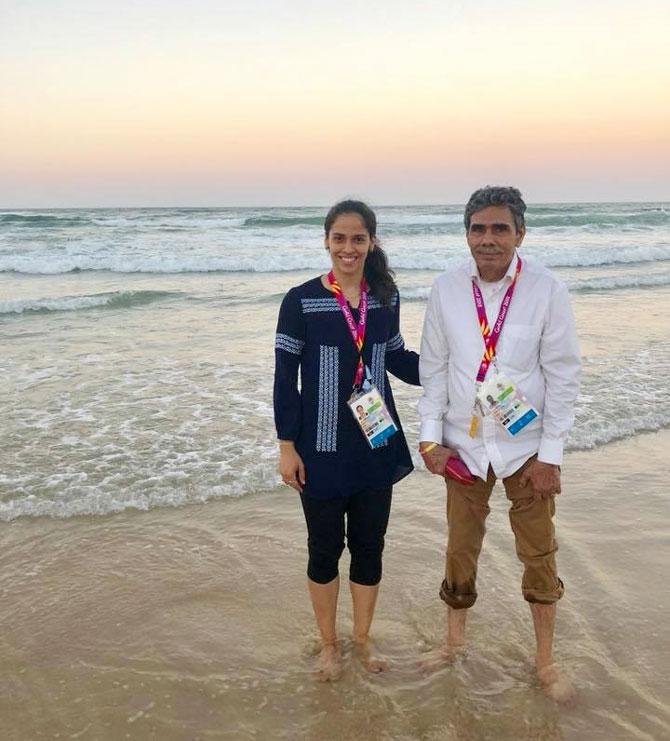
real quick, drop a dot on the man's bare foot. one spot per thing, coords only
(365, 651)
(555, 684)
(439, 657)
(330, 663)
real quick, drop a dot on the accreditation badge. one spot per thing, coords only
(500, 398)
(372, 415)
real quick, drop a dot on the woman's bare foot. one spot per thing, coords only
(439, 657)
(330, 663)
(365, 651)
(555, 684)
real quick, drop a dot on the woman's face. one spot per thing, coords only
(348, 243)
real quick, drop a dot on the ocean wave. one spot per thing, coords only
(287, 259)
(43, 221)
(608, 409)
(575, 285)
(391, 218)
(552, 257)
(600, 256)
(144, 220)
(282, 221)
(609, 283)
(113, 300)
(599, 221)
(163, 264)
(446, 218)
(184, 222)
(90, 502)
(588, 439)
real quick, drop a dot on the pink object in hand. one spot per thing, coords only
(457, 470)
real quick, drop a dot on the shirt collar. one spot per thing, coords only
(474, 273)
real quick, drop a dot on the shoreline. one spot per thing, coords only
(194, 622)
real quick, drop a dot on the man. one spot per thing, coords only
(500, 325)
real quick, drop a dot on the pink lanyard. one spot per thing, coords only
(491, 336)
(357, 330)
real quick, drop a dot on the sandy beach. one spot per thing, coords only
(152, 570)
(194, 623)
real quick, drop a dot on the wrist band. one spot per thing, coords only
(427, 449)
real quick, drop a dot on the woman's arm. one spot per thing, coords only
(289, 344)
(403, 363)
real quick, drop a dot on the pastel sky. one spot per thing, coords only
(167, 102)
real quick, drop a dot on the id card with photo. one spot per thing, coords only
(499, 397)
(373, 417)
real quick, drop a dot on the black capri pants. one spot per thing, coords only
(367, 516)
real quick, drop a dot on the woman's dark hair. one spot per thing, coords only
(378, 275)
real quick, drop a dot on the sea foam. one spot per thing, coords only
(174, 436)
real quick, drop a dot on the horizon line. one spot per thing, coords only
(279, 206)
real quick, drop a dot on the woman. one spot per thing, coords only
(324, 452)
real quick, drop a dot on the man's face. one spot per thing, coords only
(492, 239)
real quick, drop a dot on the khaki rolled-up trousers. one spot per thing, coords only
(533, 527)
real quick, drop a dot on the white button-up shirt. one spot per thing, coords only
(537, 349)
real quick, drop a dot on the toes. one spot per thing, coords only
(370, 663)
(432, 661)
(561, 691)
(329, 668)
(335, 673)
(548, 674)
(555, 684)
(328, 674)
(438, 658)
(376, 666)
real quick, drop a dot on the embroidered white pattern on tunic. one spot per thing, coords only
(326, 425)
(288, 343)
(313, 305)
(395, 343)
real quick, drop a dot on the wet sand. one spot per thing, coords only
(194, 622)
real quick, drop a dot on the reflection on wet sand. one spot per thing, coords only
(184, 623)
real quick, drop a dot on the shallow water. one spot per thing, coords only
(168, 401)
(195, 622)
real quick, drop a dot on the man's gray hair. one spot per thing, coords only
(496, 195)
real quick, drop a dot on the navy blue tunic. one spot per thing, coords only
(313, 341)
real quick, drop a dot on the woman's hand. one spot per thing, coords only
(435, 456)
(291, 467)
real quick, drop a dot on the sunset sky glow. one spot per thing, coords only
(260, 103)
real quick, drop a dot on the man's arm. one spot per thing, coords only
(433, 371)
(560, 362)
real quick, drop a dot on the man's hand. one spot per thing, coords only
(436, 458)
(544, 478)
